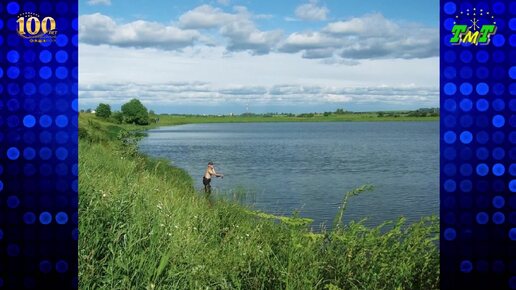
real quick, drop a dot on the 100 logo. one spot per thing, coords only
(33, 27)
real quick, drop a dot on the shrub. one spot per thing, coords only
(117, 117)
(134, 112)
(103, 111)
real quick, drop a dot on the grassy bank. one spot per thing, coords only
(143, 226)
(355, 117)
(165, 119)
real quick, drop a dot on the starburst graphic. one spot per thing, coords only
(480, 16)
(474, 24)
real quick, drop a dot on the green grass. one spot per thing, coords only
(144, 226)
(349, 117)
(366, 117)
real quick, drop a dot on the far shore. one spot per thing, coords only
(176, 119)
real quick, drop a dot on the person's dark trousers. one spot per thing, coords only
(207, 185)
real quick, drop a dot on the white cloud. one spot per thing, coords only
(368, 25)
(311, 11)
(204, 75)
(101, 29)
(238, 28)
(99, 2)
(299, 41)
(208, 93)
(368, 37)
(371, 36)
(205, 16)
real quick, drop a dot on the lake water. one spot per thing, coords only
(307, 167)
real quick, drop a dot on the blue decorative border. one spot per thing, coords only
(38, 150)
(477, 183)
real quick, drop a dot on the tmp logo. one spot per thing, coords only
(473, 26)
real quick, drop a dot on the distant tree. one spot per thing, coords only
(118, 117)
(151, 112)
(88, 111)
(103, 111)
(134, 112)
(82, 111)
(326, 114)
(381, 114)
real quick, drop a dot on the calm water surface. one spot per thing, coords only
(307, 167)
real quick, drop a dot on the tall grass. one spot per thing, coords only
(143, 226)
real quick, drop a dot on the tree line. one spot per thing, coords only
(132, 112)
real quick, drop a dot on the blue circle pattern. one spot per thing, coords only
(45, 56)
(450, 234)
(29, 121)
(449, 8)
(45, 266)
(498, 218)
(498, 121)
(13, 153)
(466, 266)
(39, 92)
(466, 89)
(61, 218)
(466, 137)
(498, 201)
(482, 89)
(482, 169)
(450, 137)
(482, 218)
(498, 40)
(477, 85)
(61, 266)
(13, 7)
(45, 218)
(450, 88)
(29, 218)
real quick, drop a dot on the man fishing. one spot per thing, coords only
(206, 179)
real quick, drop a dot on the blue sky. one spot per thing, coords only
(425, 12)
(222, 56)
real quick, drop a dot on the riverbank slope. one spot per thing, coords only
(143, 226)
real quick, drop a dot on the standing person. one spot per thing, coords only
(206, 179)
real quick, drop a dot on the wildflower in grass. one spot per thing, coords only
(176, 227)
(162, 225)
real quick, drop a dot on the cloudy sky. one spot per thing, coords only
(229, 56)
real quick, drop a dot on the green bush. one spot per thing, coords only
(134, 112)
(117, 117)
(103, 111)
